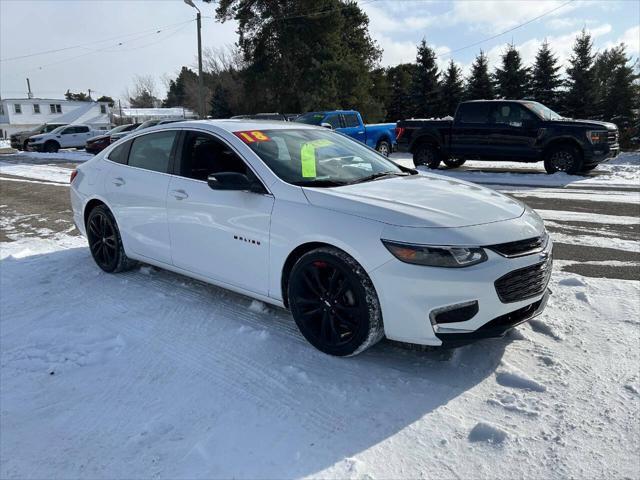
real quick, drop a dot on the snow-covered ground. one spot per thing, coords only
(67, 155)
(150, 374)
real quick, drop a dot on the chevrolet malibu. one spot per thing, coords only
(356, 247)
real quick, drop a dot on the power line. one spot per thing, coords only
(84, 45)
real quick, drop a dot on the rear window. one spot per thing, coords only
(153, 151)
(476, 112)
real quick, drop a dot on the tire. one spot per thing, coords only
(428, 155)
(105, 242)
(334, 303)
(454, 162)
(564, 158)
(51, 146)
(588, 168)
(25, 145)
(384, 148)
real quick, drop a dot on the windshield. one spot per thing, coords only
(58, 129)
(311, 118)
(317, 158)
(542, 111)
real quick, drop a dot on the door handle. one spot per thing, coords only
(118, 181)
(179, 194)
(361, 132)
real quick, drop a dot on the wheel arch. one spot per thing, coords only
(425, 138)
(90, 205)
(296, 254)
(562, 141)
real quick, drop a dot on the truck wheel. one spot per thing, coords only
(51, 146)
(427, 155)
(454, 162)
(565, 158)
(384, 148)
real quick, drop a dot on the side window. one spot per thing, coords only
(17, 108)
(82, 129)
(120, 153)
(474, 112)
(152, 151)
(333, 120)
(511, 114)
(203, 155)
(68, 131)
(351, 120)
(36, 108)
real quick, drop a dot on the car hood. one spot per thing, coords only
(570, 122)
(427, 200)
(40, 136)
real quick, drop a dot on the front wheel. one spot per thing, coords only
(454, 162)
(51, 147)
(25, 145)
(427, 155)
(105, 242)
(565, 158)
(334, 303)
(384, 148)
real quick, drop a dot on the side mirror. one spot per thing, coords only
(233, 181)
(326, 125)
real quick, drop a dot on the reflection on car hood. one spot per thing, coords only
(419, 201)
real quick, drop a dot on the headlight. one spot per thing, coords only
(449, 257)
(597, 136)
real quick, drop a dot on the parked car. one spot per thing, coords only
(380, 136)
(308, 219)
(261, 116)
(99, 143)
(69, 136)
(149, 123)
(509, 130)
(19, 140)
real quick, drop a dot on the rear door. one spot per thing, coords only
(514, 131)
(471, 130)
(136, 187)
(354, 127)
(222, 235)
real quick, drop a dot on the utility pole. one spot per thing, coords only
(201, 112)
(29, 94)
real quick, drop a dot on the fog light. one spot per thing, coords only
(460, 312)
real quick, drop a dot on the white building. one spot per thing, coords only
(17, 114)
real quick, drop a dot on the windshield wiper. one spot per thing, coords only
(378, 175)
(318, 183)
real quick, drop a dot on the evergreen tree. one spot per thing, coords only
(545, 77)
(479, 84)
(400, 102)
(615, 77)
(78, 97)
(580, 98)
(219, 103)
(177, 93)
(424, 90)
(512, 79)
(297, 62)
(451, 90)
(106, 98)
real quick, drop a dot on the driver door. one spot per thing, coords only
(220, 234)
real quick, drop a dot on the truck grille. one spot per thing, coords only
(525, 282)
(521, 247)
(612, 137)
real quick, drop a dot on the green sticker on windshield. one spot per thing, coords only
(308, 156)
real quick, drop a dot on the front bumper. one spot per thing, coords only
(411, 294)
(15, 143)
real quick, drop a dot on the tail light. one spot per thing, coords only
(399, 132)
(73, 175)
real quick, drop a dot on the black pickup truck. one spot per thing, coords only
(509, 130)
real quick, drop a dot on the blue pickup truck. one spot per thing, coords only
(380, 136)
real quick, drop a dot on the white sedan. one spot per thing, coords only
(355, 246)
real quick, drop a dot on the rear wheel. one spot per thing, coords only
(427, 155)
(51, 147)
(105, 242)
(334, 303)
(564, 158)
(384, 147)
(454, 162)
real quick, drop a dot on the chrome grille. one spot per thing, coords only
(525, 282)
(521, 247)
(612, 137)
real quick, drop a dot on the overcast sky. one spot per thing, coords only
(115, 40)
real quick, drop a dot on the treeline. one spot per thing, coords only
(307, 55)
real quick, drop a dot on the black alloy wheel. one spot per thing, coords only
(105, 242)
(454, 162)
(333, 303)
(565, 158)
(427, 155)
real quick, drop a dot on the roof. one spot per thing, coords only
(154, 112)
(239, 125)
(499, 100)
(52, 100)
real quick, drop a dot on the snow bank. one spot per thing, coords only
(50, 173)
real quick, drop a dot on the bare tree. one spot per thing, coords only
(144, 92)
